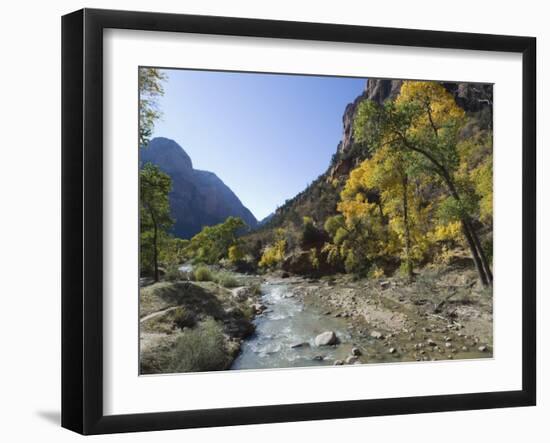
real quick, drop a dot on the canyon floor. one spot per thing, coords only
(276, 320)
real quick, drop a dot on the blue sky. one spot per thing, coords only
(265, 135)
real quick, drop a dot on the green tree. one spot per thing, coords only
(155, 220)
(150, 89)
(213, 242)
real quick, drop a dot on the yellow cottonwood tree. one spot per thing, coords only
(424, 122)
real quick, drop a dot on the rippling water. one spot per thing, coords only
(285, 323)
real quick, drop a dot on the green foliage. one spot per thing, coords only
(226, 280)
(183, 318)
(155, 220)
(213, 242)
(235, 254)
(174, 274)
(202, 273)
(256, 289)
(314, 258)
(201, 349)
(150, 89)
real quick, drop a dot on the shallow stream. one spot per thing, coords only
(285, 333)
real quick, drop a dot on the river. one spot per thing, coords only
(287, 322)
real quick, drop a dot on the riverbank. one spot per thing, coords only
(194, 326)
(276, 321)
(443, 314)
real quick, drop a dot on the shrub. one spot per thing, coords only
(201, 349)
(273, 255)
(183, 318)
(174, 274)
(314, 259)
(202, 273)
(227, 280)
(376, 272)
(256, 289)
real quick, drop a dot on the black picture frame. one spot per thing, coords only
(82, 218)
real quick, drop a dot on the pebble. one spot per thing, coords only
(338, 363)
(356, 352)
(376, 334)
(431, 342)
(464, 348)
(482, 348)
(392, 350)
(448, 345)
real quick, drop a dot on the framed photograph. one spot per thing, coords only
(269, 221)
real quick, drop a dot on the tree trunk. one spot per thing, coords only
(481, 262)
(475, 254)
(155, 253)
(482, 265)
(156, 275)
(482, 256)
(407, 230)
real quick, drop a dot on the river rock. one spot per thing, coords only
(259, 308)
(327, 338)
(356, 352)
(299, 345)
(482, 348)
(376, 334)
(338, 363)
(351, 359)
(319, 358)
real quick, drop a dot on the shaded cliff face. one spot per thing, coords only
(198, 198)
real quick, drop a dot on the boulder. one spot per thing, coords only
(259, 308)
(327, 338)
